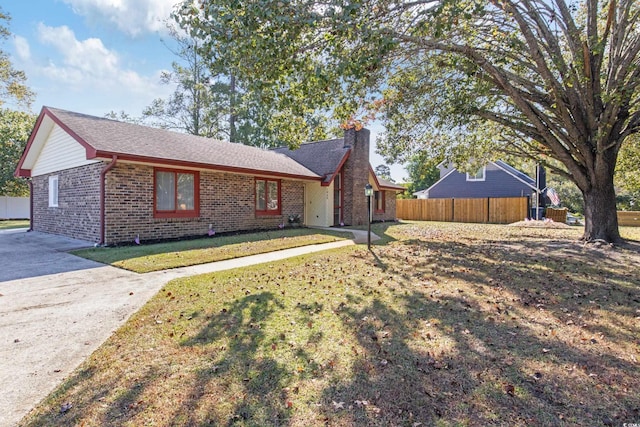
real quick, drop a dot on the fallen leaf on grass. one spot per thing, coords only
(509, 389)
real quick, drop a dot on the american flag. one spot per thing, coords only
(553, 196)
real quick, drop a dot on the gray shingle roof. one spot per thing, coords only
(136, 142)
(390, 185)
(322, 157)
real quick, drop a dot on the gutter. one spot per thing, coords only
(103, 174)
(30, 182)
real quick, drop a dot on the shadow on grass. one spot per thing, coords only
(499, 373)
(258, 399)
(507, 364)
(467, 332)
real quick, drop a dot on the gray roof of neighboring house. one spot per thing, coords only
(322, 157)
(135, 142)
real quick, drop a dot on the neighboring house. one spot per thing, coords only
(495, 179)
(109, 182)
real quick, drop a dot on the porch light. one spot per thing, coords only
(368, 190)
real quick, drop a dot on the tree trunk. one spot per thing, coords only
(601, 219)
(232, 108)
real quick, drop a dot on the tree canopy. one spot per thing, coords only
(384, 172)
(423, 172)
(15, 127)
(13, 88)
(465, 78)
(628, 174)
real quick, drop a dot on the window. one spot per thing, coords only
(379, 201)
(176, 193)
(53, 191)
(478, 175)
(267, 197)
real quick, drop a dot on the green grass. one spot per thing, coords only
(8, 224)
(439, 325)
(162, 256)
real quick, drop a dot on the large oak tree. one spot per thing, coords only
(540, 78)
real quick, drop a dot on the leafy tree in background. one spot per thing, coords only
(200, 103)
(13, 86)
(384, 172)
(628, 175)
(15, 127)
(209, 101)
(123, 116)
(423, 172)
(466, 78)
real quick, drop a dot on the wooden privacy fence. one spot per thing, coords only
(503, 210)
(628, 218)
(557, 215)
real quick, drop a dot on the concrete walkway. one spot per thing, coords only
(56, 309)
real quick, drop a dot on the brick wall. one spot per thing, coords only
(356, 176)
(389, 208)
(227, 202)
(78, 211)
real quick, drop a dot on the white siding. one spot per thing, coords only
(318, 205)
(60, 151)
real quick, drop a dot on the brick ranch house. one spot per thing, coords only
(108, 182)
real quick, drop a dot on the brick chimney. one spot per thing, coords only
(356, 176)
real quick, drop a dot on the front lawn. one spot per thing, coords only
(444, 325)
(161, 256)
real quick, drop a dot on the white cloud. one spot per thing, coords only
(22, 48)
(133, 17)
(89, 64)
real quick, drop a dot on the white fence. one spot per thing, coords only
(14, 207)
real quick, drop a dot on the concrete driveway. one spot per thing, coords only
(55, 310)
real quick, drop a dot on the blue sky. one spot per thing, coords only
(97, 56)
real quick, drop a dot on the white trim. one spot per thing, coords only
(473, 179)
(53, 191)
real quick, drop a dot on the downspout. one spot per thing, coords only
(103, 175)
(30, 182)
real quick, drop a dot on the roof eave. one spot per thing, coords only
(203, 166)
